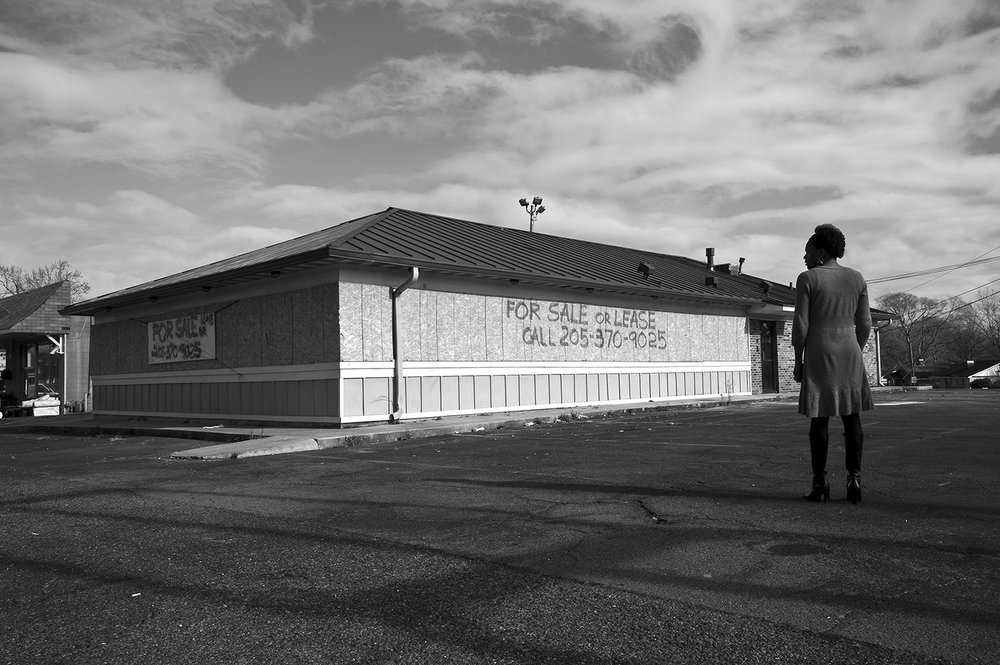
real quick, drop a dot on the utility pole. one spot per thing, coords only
(535, 208)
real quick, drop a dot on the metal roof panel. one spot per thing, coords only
(398, 237)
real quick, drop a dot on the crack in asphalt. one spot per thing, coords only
(652, 514)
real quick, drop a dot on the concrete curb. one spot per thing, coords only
(272, 445)
(344, 439)
(374, 434)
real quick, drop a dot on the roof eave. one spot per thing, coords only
(771, 311)
(154, 291)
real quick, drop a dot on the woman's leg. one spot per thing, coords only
(819, 443)
(854, 438)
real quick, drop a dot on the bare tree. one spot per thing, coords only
(963, 337)
(987, 316)
(894, 350)
(15, 279)
(920, 322)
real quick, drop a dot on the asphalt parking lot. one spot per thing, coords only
(666, 536)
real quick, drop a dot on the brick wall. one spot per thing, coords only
(753, 330)
(786, 359)
(871, 361)
(785, 356)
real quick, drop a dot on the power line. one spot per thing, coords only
(989, 251)
(963, 305)
(978, 299)
(942, 269)
(947, 269)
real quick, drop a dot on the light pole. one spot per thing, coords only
(535, 208)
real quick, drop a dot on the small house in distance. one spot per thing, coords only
(44, 355)
(970, 374)
(403, 314)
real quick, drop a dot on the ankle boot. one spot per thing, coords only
(854, 488)
(820, 490)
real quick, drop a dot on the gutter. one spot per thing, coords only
(397, 355)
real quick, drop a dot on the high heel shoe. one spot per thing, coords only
(854, 489)
(820, 493)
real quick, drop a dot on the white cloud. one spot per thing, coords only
(779, 115)
(637, 19)
(130, 238)
(152, 119)
(810, 97)
(785, 111)
(140, 33)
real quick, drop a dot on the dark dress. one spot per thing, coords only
(831, 315)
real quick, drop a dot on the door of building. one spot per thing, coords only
(43, 370)
(768, 358)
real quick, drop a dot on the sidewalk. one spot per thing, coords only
(232, 442)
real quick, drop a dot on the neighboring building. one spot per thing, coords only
(962, 376)
(44, 355)
(402, 314)
(922, 374)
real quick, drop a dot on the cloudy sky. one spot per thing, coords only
(139, 138)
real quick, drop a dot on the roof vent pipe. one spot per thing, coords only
(710, 258)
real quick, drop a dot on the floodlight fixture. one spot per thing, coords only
(535, 208)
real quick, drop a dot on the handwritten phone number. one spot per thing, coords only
(192, 351)
(601, 338)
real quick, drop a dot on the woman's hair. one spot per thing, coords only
(830, 238)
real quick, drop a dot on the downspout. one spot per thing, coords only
(65, 368)
(878, 351)
(397, 355)
(878, 356)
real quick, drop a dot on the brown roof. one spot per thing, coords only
(445, 245)
(27, 311)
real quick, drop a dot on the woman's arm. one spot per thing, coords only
(863, 317)
(800, 322)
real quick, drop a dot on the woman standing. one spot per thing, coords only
(831, 326)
